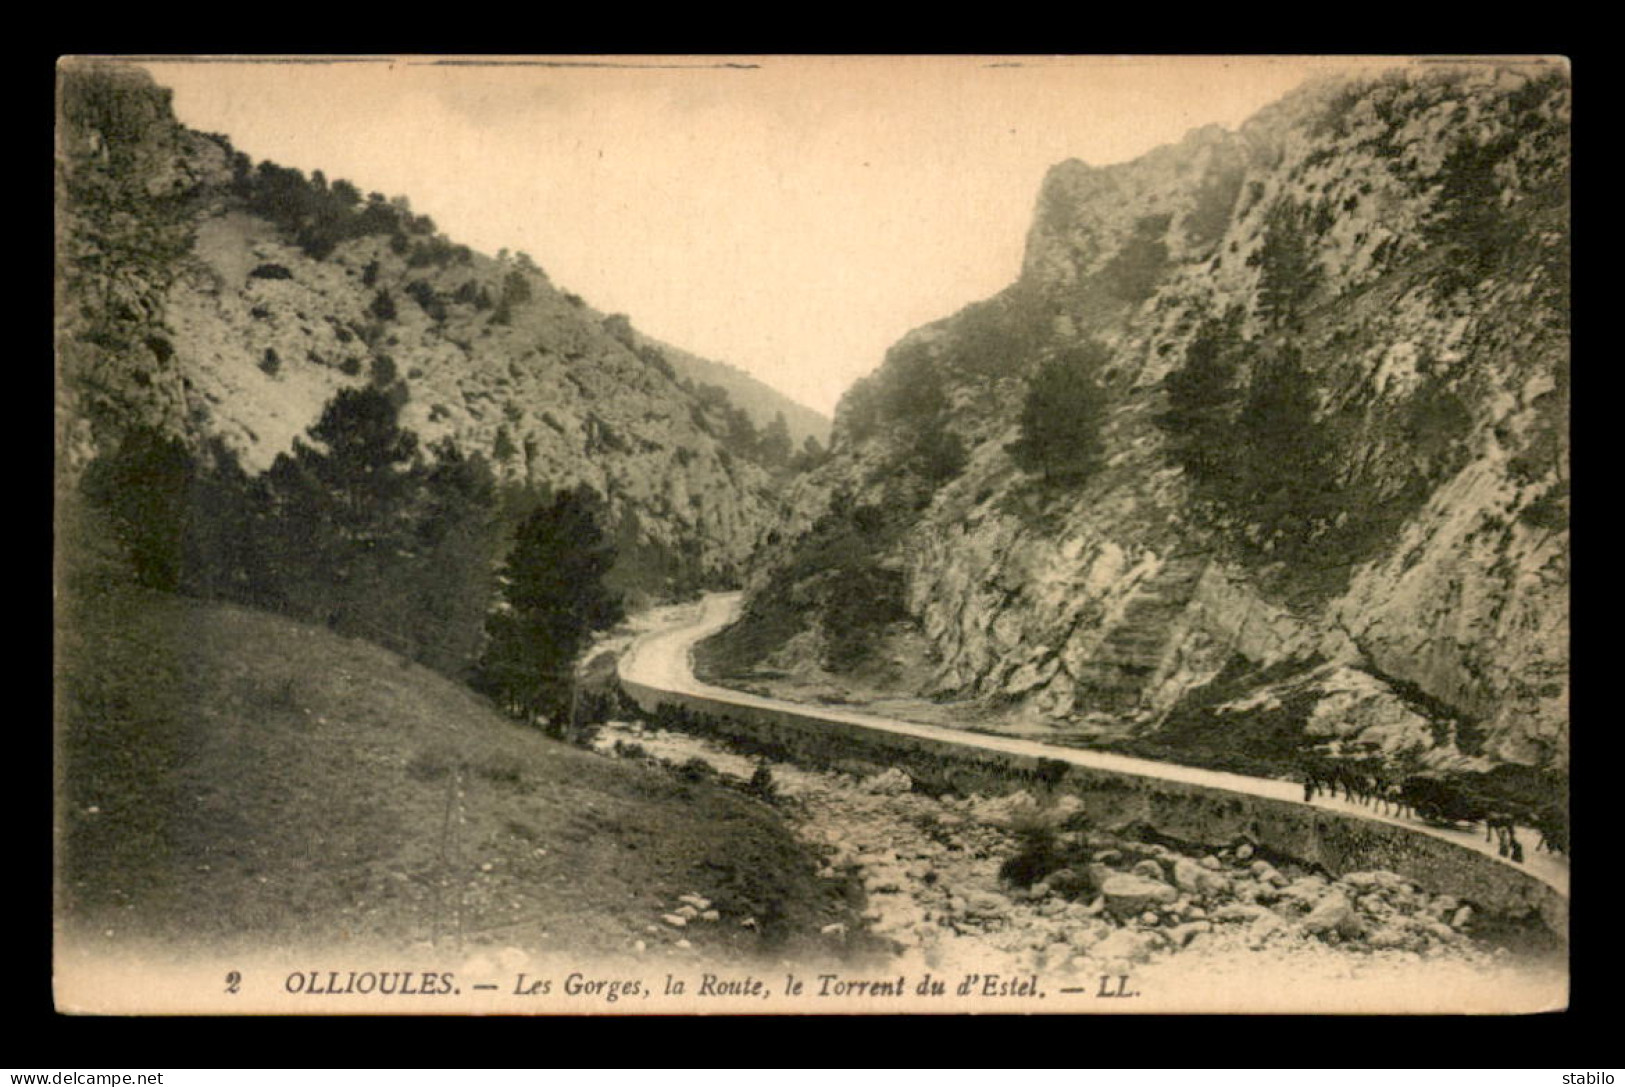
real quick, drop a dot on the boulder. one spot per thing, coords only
(1128, 894)
(986, 904)
(1239, 911)
(1065, 809)
(1443, 906)
(1266, 927)
(1265, 872)
(1149, 869)
(1390, 937)
(1199, 879)
(1306, 890)
(1333, 913)
(1068, 882)
(1376, 880)
(1093, 909)
(889, 782)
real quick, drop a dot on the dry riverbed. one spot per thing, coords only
(942, 882)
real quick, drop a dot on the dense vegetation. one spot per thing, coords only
(1062, 416)
(359, 531)
(554, 596)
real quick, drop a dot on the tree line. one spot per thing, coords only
(361, 530)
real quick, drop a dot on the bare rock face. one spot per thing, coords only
(195, 304)
(1394, 577)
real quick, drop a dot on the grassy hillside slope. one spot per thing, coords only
(228, 775)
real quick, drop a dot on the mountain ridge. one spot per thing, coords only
(1352, 537)
(207, 296)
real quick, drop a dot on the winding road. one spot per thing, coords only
(662, 659)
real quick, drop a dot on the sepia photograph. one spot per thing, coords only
(798, 535)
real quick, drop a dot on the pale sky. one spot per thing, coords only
(794, 219)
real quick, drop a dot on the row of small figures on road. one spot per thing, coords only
(1434, 799)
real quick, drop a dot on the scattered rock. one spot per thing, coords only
(1443, 906)
(1239, 911)
(1265, 872)
(1306, 891)
(674, 920)
(1127, 894)
(889, 782)
(986, 904)
(1265, 927)
(1199, 878)
(1149, 869)
(1068, 882)
(1127, 945)
(1333, 913)
(699, 902)
(1244, 851)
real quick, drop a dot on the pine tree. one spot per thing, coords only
(1288, 273)
(775, 445)
(144, 487)
(1062, 417)
(339, 524)
(1286, 477)
(1200, 398)
(451, 581)
(553, 586)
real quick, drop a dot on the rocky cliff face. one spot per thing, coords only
(211, 298)
(1329, 501)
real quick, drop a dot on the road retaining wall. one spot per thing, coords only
(1198, 814)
